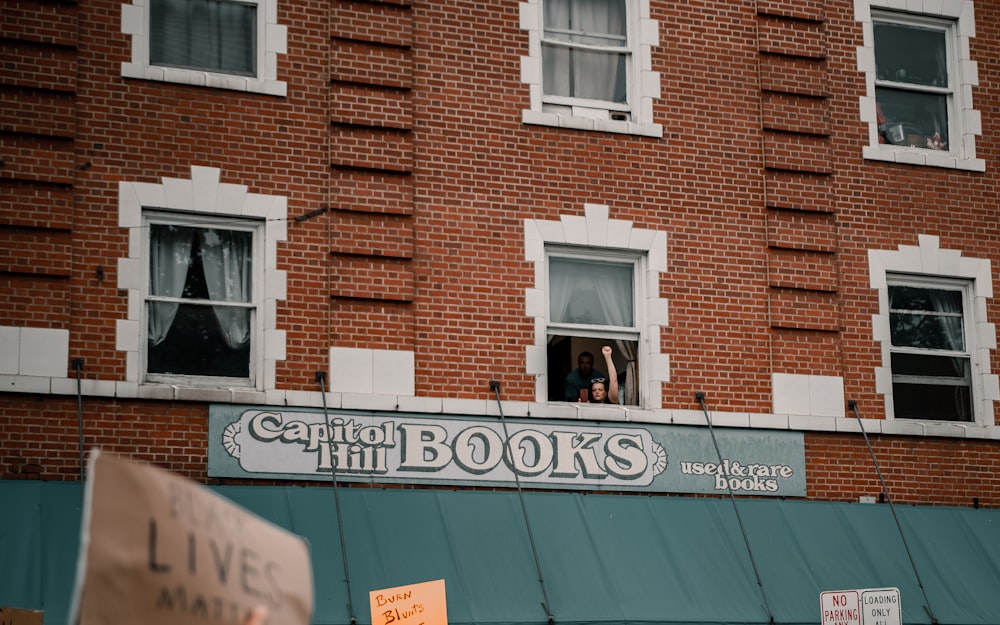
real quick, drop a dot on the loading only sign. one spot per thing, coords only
(880, 606)
(867, 606)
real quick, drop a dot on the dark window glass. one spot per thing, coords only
(932, 402)
(928, 384)
(204, 35)
(913, 109)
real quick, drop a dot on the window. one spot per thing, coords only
(936, 340)
(204, 35)
(930, 358)
(595, 285)
(202, 283)
(913, 85)
(586, 54)
(200, 306)
(211, 43)
(591, 304)
(590, 66)
(920, 79)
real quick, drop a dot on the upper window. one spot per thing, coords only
(205, 35)
(930, 352)
(589, 65)
(203, 283)
(200, 306)
(213, 43)
(586, 54)
(919, 102)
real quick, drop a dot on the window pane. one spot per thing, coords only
(584, 74)
(594, 22)
(204, 34)
(592, 293)
(932, 402)
(194, 344)
(911, 54)
(931, 366)
(914, 119)
(564, 354)
(926, 318)
(200, 263)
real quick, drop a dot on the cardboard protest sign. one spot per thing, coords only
(159, 549)
(18, 616)
(416, 604)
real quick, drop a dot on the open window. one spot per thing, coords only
(592, 302)
(596, 283)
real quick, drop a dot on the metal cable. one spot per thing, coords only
(753, 563)
(853, 405)
(495, 387)
(321, 379)
(78, 365)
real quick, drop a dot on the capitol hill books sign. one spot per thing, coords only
(292, 443)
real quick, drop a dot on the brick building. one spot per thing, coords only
(779, 216)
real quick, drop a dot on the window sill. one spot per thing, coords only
(205, 79)
(923, 157)
(538, 118)
(485, 408)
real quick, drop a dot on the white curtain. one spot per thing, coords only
(591, 293)
(225, 257)
(951, 327)
(629, 393)
(575, 71)
(170, 258)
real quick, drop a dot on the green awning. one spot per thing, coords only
(605, 559)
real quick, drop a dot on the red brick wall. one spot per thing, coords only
(404, 119)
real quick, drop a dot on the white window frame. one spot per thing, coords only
(198, 200)
(272, 40)
(609, 333)
(635, 117)
(928, 265)
(958, 18)
(595, 236)
(255, 227)
(932, 282)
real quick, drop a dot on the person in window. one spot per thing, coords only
(580, 378)
(605, 391)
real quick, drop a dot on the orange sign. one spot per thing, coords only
(159, 549)
(17, 616)
(416, 604)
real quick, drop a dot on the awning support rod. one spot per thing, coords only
(321, 380)
(853, 405)
(753, 563)
(495, 387)
(78, 365)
